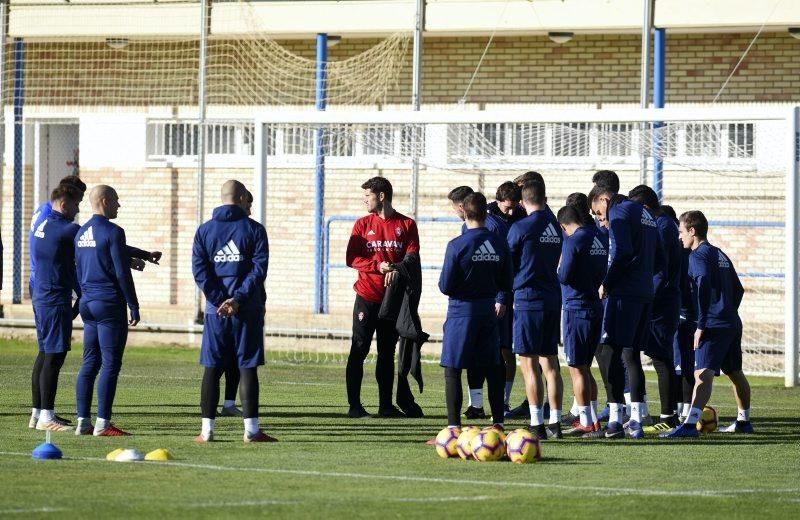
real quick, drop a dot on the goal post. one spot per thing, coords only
(738, 164)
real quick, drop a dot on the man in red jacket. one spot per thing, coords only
(378, 240)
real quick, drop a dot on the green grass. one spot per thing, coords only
(329, 466)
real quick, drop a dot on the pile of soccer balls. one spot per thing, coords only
(490, 444)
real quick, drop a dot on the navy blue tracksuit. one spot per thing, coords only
(683, 343)
(104, 275)
(584, 259)
(535, 246)
(230, 257)
(476, 267)
(55, 280)
(666, 291)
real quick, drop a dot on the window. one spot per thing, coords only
(571, 140)
(741, 140)
(180, 139)
(527, 139)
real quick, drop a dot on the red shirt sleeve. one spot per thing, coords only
(413, 238)
(357, 255)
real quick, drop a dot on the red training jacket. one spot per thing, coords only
(375, 240)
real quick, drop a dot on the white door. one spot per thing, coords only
(56, 155)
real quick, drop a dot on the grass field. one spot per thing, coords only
(327, 465)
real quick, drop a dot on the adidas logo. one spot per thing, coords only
(87, 239)
(33, 219)
(40, 230)
(550, 235)
(724, 263)
(229, 253)
(597, 248)
(370, 232)
(485, 253)
(647, 218)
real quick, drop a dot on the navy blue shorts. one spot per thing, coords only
(581, 334)
(536, 333)
(625, 323)
(53, 328)
(720, 349)
(505, 328)
(683, 347)
(238, 339)
(470, 342)
(663, 325)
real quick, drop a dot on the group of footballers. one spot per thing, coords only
(93, 263)
(613, 275)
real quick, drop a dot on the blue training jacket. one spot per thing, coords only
(667, 273)
(54, 246)
(535, 245)
(476, 267)
(632, 242)
(717, 286)
(230, 257)
(39, 216)
(584, 259)
(500, 228)
(688, 297)
(104, 264)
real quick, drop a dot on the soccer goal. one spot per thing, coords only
(738, 164)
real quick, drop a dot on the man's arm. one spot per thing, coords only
(204, 275)
(619, 234)
(451, 275)
(150, 256)
(698, 271)
(258, 273)
(567, 266)
(413, 238)
(357, 256)
(122, 270)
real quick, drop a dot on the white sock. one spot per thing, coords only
(101, 424)
(636, 412)
(537, 415)
(509, 386)
(229, 403)
(555, 416)
(574, 410)
(84, 420)
(35, 412)
(46, 416)
(694, 416)
(679, 409)
(627, 398)
(615, 412)
(686, 408)
(593, 411)
(476, 397)
(207, 427)
(585, 416)
(251, 425)
(743, 415)
(645, 409)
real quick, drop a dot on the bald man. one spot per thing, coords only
(230, 256)
(104, 274)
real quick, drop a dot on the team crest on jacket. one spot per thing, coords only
(361, 316)
(398, 231)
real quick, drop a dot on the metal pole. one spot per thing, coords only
(19, 95)
(647, 26)
(659, 85)
(320, 283)
(3, 35)
(416, 100)
(792, 278)
(205, 21)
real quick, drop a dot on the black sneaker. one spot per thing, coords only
(412, 410)
(475, 413)
(62, 419)
(523, 411)
(357, 412)
(540, 431)
(390, 412)
(597, 434)
(569, 419)
(554, 431)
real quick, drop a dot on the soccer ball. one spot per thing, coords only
(446, 442)
(708, 420)
(463, 445)
(523, 447)
(499, 432)
(488, 445)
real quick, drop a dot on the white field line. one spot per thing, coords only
(27, 511)
(446, 499)
(436, 480)
(243, 503)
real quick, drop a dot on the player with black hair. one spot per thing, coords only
(628, 286)
(606, 179)
(535, 245)
(584, 257)
(507, 203)
(718, 338)
(475, 376)
(665, 310)
(476, 267)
